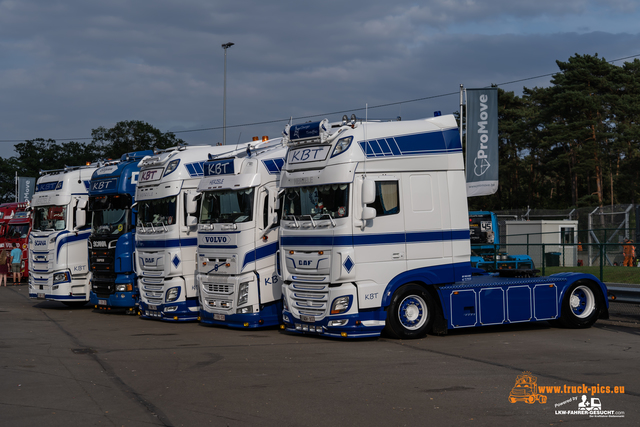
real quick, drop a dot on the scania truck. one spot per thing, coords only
(58, 251)
(112, 243)
(238, 237)
(165, 239)
(375, 236)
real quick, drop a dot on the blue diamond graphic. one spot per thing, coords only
(176, 261)
(348, 264)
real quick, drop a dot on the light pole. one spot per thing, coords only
(224, 97)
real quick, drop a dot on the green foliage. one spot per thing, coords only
(572, 144)
(132, 135)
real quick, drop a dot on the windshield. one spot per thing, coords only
(50, 218)
(110, 214)
(231, 206)
(18, 231)
(317, 201)
(157, 212)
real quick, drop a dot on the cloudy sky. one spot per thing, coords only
(69, 66)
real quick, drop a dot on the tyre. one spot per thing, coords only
(581, 305)
(411, 312)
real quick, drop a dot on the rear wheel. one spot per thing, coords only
(581, 305)
(411, 312)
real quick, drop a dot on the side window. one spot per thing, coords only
(387, 198)
(265, 211)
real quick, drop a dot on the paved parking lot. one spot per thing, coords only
(64, 366)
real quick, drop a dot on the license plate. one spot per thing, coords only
(307, 318)
(219, 317)
(102, 302)
(40, 295)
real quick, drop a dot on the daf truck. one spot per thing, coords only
(375, 236)
(58, 250)
(238, 237)
(112, 192)
(165, 239)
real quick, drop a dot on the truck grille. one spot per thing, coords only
(217, 288)
(152, 294)
(310, 299)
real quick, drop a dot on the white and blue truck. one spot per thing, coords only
(238, 237)
(58, 252)
(375, 236)
(166, 238)
(112, 192)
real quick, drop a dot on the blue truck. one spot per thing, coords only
(485, 245)
(112, 192)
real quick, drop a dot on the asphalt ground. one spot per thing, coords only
(80, 367)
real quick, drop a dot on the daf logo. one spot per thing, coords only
(41, 243)
(149, 260)
(99, 244)
(304, 262)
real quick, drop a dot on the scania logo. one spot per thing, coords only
(216, 239)
(99, 244)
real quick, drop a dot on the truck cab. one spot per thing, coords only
(58, 247)
(238, 237)
(112, 243)
(165, 240)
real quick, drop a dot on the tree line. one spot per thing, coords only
(572, 144)
(40, 154)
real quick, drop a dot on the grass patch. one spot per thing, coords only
(610, 274)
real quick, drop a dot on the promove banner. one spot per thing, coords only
(26, 187)
(482, 141)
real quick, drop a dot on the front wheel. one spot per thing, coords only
(581, 305)
(411, 312)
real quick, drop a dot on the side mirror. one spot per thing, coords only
(192, 203)
(81, 218)
(192, 221)
(368, 213)
(81, 213)
(368, 191)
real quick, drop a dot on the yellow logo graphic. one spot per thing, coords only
(526, 390)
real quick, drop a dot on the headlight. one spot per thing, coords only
(342, 145)
(173, 164)
(340, 305)
(60, 277)
(172, 294)
(243, 293)
(125, 287)
(52, 240)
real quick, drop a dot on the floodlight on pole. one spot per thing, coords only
(224, 97)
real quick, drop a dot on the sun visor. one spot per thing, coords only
(229, 182)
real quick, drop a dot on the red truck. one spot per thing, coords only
(15, 227)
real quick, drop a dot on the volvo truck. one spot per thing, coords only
(238, 237)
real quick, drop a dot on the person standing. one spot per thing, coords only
(4, 268)
(628, 250)
(16, 263)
